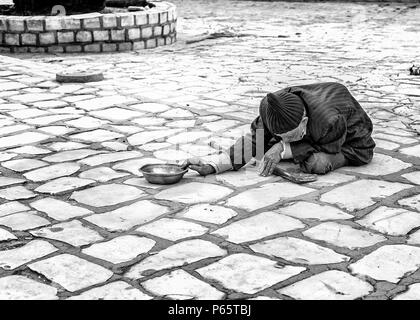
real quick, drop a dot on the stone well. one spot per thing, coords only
(91, 32)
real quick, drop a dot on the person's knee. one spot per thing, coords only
(318, 163)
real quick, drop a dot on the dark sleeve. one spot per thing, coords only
(332, 141)
(253, 144)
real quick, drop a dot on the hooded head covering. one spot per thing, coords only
(281, 112)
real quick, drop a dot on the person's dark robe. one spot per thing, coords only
(336, 123)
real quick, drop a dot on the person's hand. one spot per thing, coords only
(198, 165)
(271, 158)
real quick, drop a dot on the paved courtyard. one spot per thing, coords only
(78, 221)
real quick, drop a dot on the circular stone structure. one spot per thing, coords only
(91, 32)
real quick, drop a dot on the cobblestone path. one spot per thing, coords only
(78, 221)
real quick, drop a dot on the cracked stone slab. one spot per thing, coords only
(21, 288)
(107, 195)
(411, 202)
(298, 251)
(267, 195)
(71, 272)
(66, 146)
(381, 165)
(22, 165)
(176, 113)
(127, 217)
(6, 235)
(241, 178)
(73, 233)
(392, 221)
(208, 213)
(52, 172)
(13, 258)
(173, 229)
(118, 290)
(328, 285)
(194, 192)
(63, 185)
(342, 235)
(362, 193)
(386, 144)
(102, 174)
(259, 226)
(98, 135)
(175, 256)
(389, 263)
(413, 293)
(120, 249)
(59, 210)
(110, 157)
(149, 136)
(23, 221)
(16, 193)
(312, 211)
(116, 114)
(180, 285)
(22, 139)
(247, 273)
(70, 155)
(12, 207)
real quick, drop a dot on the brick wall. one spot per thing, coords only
(93, 32)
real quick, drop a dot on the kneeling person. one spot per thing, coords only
(320, 126)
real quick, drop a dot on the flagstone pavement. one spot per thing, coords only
(78, 221)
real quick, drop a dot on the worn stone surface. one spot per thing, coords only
(260, 226)
(118, 290)
(69, 152)
(107, 195)
(17, 287)
(120, 249)
(342, 235)
(247, 273)
(388, 263)
(180, 285)
(23, 221)
(73, 233)
(59, 210)
(173, 229)
(13, 258)
(307, 210)
(184, 252)
(266, 195)
(362, 193)
(298, 251)
(71, 272)
(329, 285)
(392, 221)
(194, 192)
(208, 213)
(413, 293)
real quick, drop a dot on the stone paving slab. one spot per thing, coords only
(79, 221)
